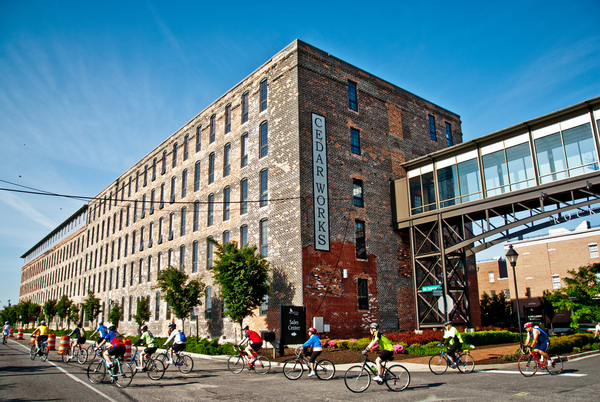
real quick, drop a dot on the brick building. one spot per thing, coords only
(542, 264)
(297, 158)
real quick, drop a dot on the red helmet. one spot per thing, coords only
(528, 325)
(313, 330)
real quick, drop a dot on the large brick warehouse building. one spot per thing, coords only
(297, 158)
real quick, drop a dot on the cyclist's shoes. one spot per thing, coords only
(170, 361)
(312, 374)
(378, 378)
(453, 365)
(139, 368)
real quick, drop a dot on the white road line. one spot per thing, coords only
(517, 372)
(73, 377)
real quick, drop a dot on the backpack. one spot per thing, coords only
(182, 337)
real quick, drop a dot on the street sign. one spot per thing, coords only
(431, 288)
(293, 325)
(437, 292)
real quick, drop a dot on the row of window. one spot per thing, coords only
(433, 131)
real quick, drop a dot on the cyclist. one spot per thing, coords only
(453, 341)
(540, 342)
(117, 348)
(315, 343)
(151, 345)
(102, 331)
(178, 338)
(42, 332)
(253, 340)
(79, 339)
(387, 349)
(5, 331)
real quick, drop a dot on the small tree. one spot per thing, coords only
(243, 278)
(63, 307)
(495, 309)
(115, 314)
(50, 310)
(580, 296)
(180, 293)
(91, 306)
(142, 313)
(74, 313)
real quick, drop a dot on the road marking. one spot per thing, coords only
(516, 372)
(73, 377)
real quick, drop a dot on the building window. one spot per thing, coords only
(357, 193)
(243, 236)
(264, 139)
(363, 294)
(173, 186)
(213, 122)
(171, 224)
(556, 282)
(209, 254)
(593, 248)
(211, 168)
(186, 143)
(160, 230)
(175, 155)
(227, 119)
(264, 306)
(183, 213)
(140, 272)
(150, 230)
(352, 96)
(211, 209)
(264, 237)
(244, 197)
(157, 307)
(197, 176)
(263, 95)
(198, 138)
(161, 204)
(227, 160)
(226, 203)
(490, 277)
(359, 230)
(184, 183)
(195, 256)
(432, 132)
(159, 264)
(226, 236)
(182, 257)
(145, 180)
(355, 141)
(152, 197)
(449, 140)
(149, 268)
(163, 169)
(208, 303)
(245, 107)
(264, 187)
(244, 150)
(196, 215)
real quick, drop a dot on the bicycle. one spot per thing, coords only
(80, 354)
(183, 362)
(236, 363)
(42, 352)
(91, 350)
(358, 378)
(153, 367)
(120, 372)
(529, 363)
(438, 364)
(293, 368)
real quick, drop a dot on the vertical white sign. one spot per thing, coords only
(320, 185)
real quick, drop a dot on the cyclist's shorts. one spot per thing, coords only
(178, 347)
(81, 340)
(256, 346)
(314, 355)
(149, 351)
(542, 346)
(116, 351)
(41, 339)
(387, 355)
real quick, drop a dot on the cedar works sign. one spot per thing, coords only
(320, 185)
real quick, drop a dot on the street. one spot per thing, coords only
(22, 379)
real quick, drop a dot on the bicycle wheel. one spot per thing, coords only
(262, 365)
(164, 359)
(124, 376)
(236, 364)
(357, 379)
(155, 369)
(65, 355)
(96, 371)
(556, 367)
(185, 364)
(32, 352)
(292, 369)
(325, 370)
(44, 355)
(527, 365)
(465, 363)
(91, 352)
(82, 356)
(397, 378)
(438, 364)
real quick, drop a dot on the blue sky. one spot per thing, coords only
(87, 90)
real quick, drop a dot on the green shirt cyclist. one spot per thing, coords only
(387, 349)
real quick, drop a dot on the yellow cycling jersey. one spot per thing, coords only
(42, 330)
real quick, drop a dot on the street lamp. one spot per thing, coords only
(511, 256)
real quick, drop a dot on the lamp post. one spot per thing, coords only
(511, 256)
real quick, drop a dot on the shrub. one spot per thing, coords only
(428, 349)
(410, 337)
(489, 337)
(566, 344)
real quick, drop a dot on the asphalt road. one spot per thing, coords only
(24, 380)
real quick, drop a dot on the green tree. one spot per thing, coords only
(495, 310)
(115, 314)
(27, 311)
(63, 307)
(74, 313)
(242, 276)
(91, 306)
(580, 296)
(142, 312)
(50, 311)
(10, 314)
(179, 292)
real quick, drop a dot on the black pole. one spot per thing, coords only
(517, 303)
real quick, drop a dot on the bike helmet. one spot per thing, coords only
(374, 326)
(447, 323)
(528, 325)
(172, 325)
(101, 323)
(112, 327)
(79, 323)
(6, 322)
(42, 322)
(313, 330)
(144, 328)
(246, 328)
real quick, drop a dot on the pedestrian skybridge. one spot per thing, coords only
(501, 186)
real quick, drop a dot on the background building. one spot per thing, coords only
(298, 159)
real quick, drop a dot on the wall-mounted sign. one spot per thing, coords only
(293, 325)
(320, 184)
